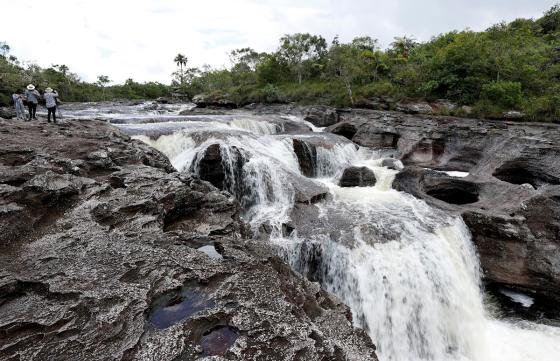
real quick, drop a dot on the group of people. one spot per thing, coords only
(31, 97)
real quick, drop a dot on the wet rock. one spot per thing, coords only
(510, 166)
(306, 147)
(393, 164)
(163, 100)
(347, 130)
(224, 171)
(109, 266)
(321, 116)
(217, 341)
(307, 157)
(308, 191)
(210, 166)
(357, 177)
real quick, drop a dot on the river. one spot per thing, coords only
(409, 272)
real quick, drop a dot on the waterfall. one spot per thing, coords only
(409, 272)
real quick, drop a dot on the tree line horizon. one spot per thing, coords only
(509, 66)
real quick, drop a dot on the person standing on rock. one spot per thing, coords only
(50, 100)
(18, 103)
(32, 96)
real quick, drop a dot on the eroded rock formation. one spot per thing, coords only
(510, 198)
(107, 253)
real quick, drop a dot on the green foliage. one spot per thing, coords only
(502, 93)
(302, 52)
(509, 66)
(550, 22)
(14, 76)
(545, 108)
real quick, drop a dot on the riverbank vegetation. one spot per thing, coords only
(509, 67)
(16, 74)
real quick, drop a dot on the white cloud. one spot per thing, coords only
(139, 38)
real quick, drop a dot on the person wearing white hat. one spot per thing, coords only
(32, 96)
(50, 100)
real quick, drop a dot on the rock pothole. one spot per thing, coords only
(516, 172)
(177, 306)
(217, 341)
(346, 130)
(454, 191)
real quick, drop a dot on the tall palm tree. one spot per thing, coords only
(403, 46)
(181, 60)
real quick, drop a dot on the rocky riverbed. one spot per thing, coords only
(108, 253)
(502, 177)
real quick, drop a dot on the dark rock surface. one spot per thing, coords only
(227, 173)
(306, 147)
(307, 157)
(100, 261)
(7, 113)
(414, 107)
(357, 177)
(510, 199)
(217, 100)
(321, 116)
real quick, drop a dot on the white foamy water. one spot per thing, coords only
(409, 272)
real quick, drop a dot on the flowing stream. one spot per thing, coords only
(409, 272)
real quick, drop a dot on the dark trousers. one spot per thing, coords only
(32, 110)
(53, 112)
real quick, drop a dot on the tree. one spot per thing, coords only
(350, 62)
(102, 81)
(246, 58)
(297, 49)
(4, 49)
(181, 61)
(402, 46)
(550, 22)
(244, 63)
(365, 43)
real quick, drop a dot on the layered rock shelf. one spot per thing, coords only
(502, 177)
(108, 253)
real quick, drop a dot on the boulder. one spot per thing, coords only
(321, 116)
(306, 147)
(215, 99)
(357, 177)
(393, 164)
(7, 113)
(307, 157)
(224, 173)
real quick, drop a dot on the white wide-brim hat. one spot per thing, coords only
(31, 87)
(48, 90)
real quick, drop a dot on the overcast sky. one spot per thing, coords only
(139, 38)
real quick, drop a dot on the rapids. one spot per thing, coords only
(409, 272)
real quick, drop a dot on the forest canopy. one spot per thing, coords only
(510, 66)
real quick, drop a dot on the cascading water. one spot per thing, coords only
(409, 272)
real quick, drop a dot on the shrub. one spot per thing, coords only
(545, 108)
(506, 94)
(378, 89)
